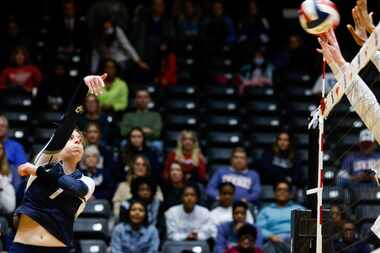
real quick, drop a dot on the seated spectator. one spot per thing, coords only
(137, 146)
(139, 167)
(218, 28)
(14, 152)
(281, 161)
(92, 166)
(173, 187)
(115, 95)
(349, 241)
(144, 189)
(135, 235)
(93, 135)
(258, 72)
(190, 155)
(274, 220)
(93, 114)
(338, 218)
(247, 182)
(356, 169)
(254, 29)
(111, 42)
(20, 74)
(227, 236)
(149, 121)
(188, 24)
(7, 191)
(56, 89)
(247, 235)
(223, 212)
(189, 221)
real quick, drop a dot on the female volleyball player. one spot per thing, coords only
(56, 192)
(359, 95)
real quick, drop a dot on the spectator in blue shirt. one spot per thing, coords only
(134, 235)
(15, 151)
(274, 220)
(357, 167)
(246, 182)
(348, 242)
(227, 235)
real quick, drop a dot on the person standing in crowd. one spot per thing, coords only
(223, 212)
(112, 43)
(247, 182)
(135, 235)
(274, 220)
(14, 151)
(20, 75)
(190, 155)
(189, 20)
(227, 232)
(356, 169)
(115, 95)
(189, 221)
(149, 121)
(281, 161)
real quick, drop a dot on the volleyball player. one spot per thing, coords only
(359, 95)
(56, 193)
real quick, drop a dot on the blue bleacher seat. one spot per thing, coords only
(188, 246)
(92, 246)
(91, 228)
(97, 208)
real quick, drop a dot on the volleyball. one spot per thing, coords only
(318, 16)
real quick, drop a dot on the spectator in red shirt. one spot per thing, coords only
(189, 154)
(168, 71)
(20, 74)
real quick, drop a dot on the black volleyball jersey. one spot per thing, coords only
(55, 208)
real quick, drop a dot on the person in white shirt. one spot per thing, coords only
(223, 212)
(189, 221)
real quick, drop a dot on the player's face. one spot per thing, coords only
(226, 196)
(283, 142)
(189, 198)
(144, 192)
(140, 167)
(239, 215)
(137, 214)
(239, 161)
(74, 147)
(137, 139)
(176, 173)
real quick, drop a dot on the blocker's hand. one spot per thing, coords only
(27, 169)
(365, 17)
(331, 50)
(95, 83)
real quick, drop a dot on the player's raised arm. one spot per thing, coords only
(92, 83)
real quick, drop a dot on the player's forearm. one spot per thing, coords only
(69, 121)
(366, 105)
(376, 60)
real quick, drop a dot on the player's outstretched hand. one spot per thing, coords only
(365, 17)
(95, 83)
(27, 169)
(330, 50)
